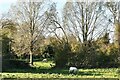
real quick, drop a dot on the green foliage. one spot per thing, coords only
(62, 54)
(86, 57)
(113, 54)
(7, 52)
(62, 51)
(108, 56)
(5, 46)
(92, 55)
(7, 33)
(12, 64)
(48, 50)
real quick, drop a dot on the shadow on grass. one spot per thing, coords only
(44, 70)
(51, 71)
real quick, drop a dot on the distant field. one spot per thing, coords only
(43, 70)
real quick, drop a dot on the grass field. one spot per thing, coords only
(43, 70)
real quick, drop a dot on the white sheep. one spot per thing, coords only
(73, 70)
(44, 60)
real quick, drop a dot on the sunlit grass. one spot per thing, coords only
(43, 70)
(43, 65)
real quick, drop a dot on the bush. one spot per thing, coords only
(108, 57)
(86, 55)
(91, 56)
(84, 58)
(62, 54)
(8, 64)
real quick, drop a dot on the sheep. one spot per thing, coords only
(73, 70)
(44, 60)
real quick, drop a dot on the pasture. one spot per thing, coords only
(44, 70)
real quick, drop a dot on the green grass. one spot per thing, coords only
(43, 70)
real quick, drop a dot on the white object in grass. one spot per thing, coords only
(44, 60)
(73, 70)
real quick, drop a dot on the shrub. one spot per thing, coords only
(86, 56)
(108, 56)
(62, 54)
(8, 64)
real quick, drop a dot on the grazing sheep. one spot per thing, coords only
(44, 60)
(73, 70)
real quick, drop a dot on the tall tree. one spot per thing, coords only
(84, 20)
(31, 20)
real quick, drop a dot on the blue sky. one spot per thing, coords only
(5, 5)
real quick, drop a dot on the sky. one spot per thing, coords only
(5, 5)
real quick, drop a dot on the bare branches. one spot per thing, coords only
(31, 20)
(83, 19)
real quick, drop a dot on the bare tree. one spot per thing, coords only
(114, 8)
(85, 20)
(31, 20)
(55, 23)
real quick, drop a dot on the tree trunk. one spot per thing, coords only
(31, 58)
(31, 54)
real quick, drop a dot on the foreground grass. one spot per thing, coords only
(43, 70)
